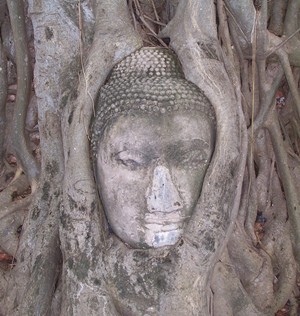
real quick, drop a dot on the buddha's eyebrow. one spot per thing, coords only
(141, 150)
(188, 145)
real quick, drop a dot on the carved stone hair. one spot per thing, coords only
(149, 80)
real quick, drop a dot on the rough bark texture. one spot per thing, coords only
(240, 252)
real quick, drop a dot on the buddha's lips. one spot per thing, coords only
(163, 219)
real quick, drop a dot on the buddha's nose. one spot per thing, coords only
(162, 195)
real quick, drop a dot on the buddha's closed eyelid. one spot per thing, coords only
(132, 159)
(194, 155)
(194, 151)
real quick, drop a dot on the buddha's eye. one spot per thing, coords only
(195, 157)
(131, 159)
(130, 163)
(189, 153)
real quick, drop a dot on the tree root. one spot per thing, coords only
(264, 166)
(283, 56)
(81, 213)
(46, 268)
(6, 174)
(250, 196)
(13, 189)
(10, 208)
(277, 240)
(253, 268)
(291, 20)
(25, 157)
(3, 96)
(230, 298)
(277, 16)
(9, 228)
(292, 198)
(267, 94)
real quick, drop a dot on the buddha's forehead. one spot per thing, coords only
(139, 129)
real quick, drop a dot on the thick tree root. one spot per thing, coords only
(230, 298)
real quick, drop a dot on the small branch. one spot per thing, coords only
(253, 66)
(3, 97)
(81, 38)
(141, 16)
(237, 25)
(283, 43)
(130, 7)
(24, 78)
(155, 12)
(243, 16)
(223, 29)
(251, 200)
(153, 21)
(284, 59)
(152, 32)
(290, 191)
(263, 161)
(268, 101)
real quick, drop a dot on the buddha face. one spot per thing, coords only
(150, 170)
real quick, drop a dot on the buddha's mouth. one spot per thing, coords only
(165, 219)
(164, 227)
(161, 235)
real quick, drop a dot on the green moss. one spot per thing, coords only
(64, 100)
(48, 33)
(69, 82)
(209, 49)
(209, 243)
(70, 263)
(35, 213)
(66, 221)
(82, 267)
(123, 282)
(93, 207)
(138, 255)
(52, 168)
(70, 119)
(72, 202)
(97, 282)
(45, 190)
(71, 11)
(156, 277)
(38, 262)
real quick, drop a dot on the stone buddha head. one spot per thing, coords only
(152, 141)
